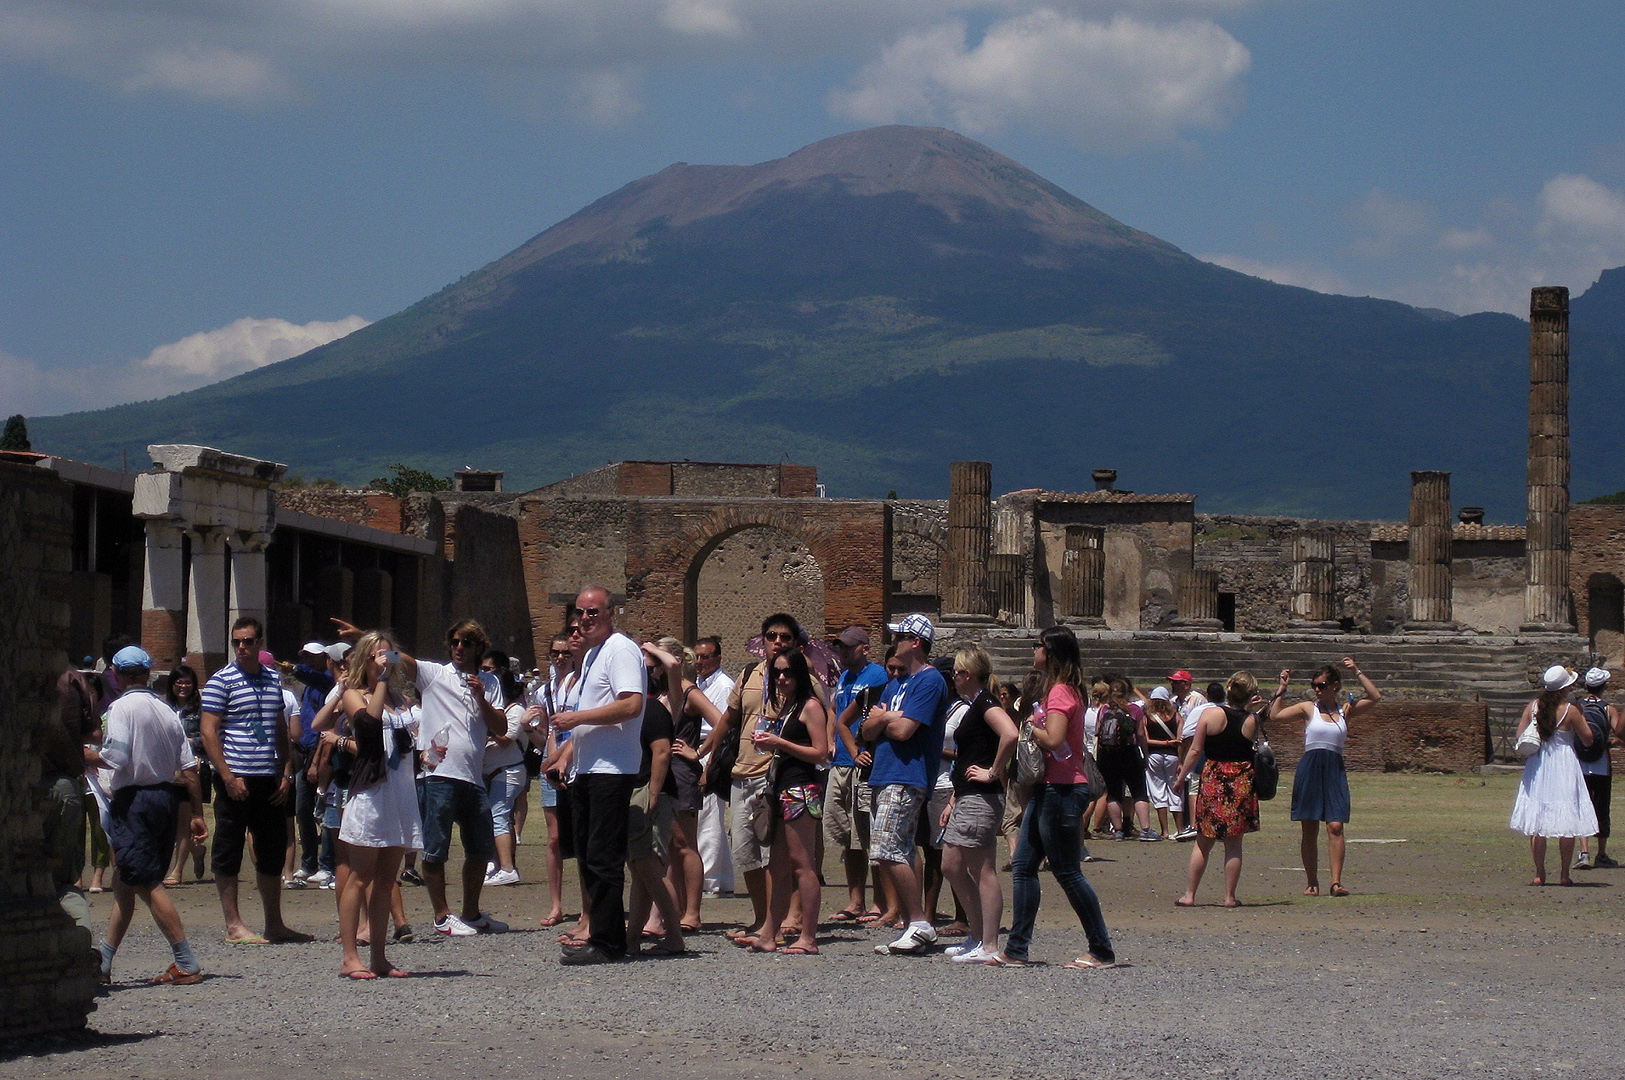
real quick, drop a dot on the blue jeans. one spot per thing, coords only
(1050, 829)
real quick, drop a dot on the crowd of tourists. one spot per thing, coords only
(667, 779)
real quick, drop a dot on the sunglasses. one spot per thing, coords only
(1319, 685)
(774, 635)
(589, 612)
(558, 652)
(244, 642)
(463, 643)
(782, 673)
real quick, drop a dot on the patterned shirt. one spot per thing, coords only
(251, 709)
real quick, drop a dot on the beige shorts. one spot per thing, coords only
(648, 833)
(846, 809)
(750, 799)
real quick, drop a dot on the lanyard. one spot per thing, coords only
(581, 680)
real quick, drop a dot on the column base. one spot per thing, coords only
(1084, 622)
(1314, 627)
(1430, 628)
(1197, 624)
(1547, 628)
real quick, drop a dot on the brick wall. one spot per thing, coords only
(1402, 736)
(751, 574)
(1597, 536)
(50, 971)
(374, 509)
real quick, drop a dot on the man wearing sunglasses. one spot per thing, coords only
(461, 705)
(603, 711)
(245, 734)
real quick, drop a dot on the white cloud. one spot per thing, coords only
(702, 17)
(1466, 239)
(1104, 84)
(1387, 225)
(608, 98)
(196, 360)
(1300, 274)
(211, 74)
(246, 344)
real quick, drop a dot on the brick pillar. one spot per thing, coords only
(1547, 606)
(163, 595)
(1083, 575)
(206, 623)
(1430, 525)
(1199, 600)
(1314, 583)
(970, 534)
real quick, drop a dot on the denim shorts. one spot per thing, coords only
(503, 788)
(447, 802)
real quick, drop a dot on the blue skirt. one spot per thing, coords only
(1320, 788)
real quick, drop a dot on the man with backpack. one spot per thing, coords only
(1605, 721)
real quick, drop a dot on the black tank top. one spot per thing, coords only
(793, 771)
(1230, 744)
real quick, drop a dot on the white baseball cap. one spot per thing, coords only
(312, 648)
(338, 651)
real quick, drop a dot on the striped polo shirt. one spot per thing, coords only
(250, 708)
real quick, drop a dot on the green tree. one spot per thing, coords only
(16, 434)
(407, 480)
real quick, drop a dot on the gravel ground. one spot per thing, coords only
(1455, 967)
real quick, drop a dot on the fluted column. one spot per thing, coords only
(1430, 585)
(206, 621)
(248, 576)
(1546, 603)
(1198, 600)
(1083, 575)
(1314, 582)
(970, 535)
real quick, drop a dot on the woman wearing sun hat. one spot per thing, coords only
(1552, 799)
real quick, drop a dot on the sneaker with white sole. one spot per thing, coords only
(968, 945)
(487, 925)
(322, 879)
(915, 939)
(503, 877)
(977, 955)
(1187, 833)
(292, 883)
(1583, 861)
(452, 926)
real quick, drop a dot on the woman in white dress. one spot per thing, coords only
(381, 820)
(1552, 799)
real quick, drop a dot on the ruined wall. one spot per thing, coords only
(1487, 583)
(50, 982)
(688, 479)
(1148, 543)
(1402, 736)
(374, 509)
(654, 554)
(919, 536)
(1596, 574)
(486, 581)
(750, 575)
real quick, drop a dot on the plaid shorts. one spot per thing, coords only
(896, 816)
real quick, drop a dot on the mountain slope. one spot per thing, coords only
(877, 304)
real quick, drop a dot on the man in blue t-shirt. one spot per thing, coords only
(846, 797)
(908, 727)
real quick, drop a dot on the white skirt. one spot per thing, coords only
(386, 814)
(1552, 798)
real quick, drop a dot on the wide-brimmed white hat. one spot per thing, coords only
(1558, 677)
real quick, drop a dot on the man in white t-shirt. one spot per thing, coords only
(461, 706)
(717, 686)
(604, 713)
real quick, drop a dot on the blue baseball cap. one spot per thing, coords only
(131, 657)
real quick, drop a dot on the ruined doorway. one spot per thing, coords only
(744, 576)
(1606, 621)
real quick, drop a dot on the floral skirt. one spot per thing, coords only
(1226, 804)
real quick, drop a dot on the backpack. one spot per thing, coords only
(720, 771)
(1595, 712)
(1116, 727)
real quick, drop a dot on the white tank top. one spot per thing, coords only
(1322, 733)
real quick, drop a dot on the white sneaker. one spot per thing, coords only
(301, 875)
(294, 882)
(915, 939)
(503, 877)
(452, 926)
(322, 879)
(977, 955)
(968, 945)
(487, 925)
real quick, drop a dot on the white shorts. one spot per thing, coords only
(1160, 770)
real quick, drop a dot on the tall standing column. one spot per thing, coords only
(1430, 586)
(1083, 575)
(1546, 601)
(206, 621)
(163, 594)
(1199, 600)
(1314, 583)
(970, 535)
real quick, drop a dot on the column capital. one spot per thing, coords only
(252, 543)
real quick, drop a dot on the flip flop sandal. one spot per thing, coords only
(1001, 960)
(844, 916)
(551, 922)
(1338, 890)
(797, 950)
(868, 918)
(252, 939)
(664, 950)
(359, 975)
(1089, 963)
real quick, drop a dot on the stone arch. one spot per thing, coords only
(919, 551)
(1605, 618)
(702, 539)
(746, 573)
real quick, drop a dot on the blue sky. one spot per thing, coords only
(189, 190)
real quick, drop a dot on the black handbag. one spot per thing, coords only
(1266, 771)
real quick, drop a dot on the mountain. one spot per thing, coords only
(878, 304)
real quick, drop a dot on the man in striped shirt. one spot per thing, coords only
(246, 738)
